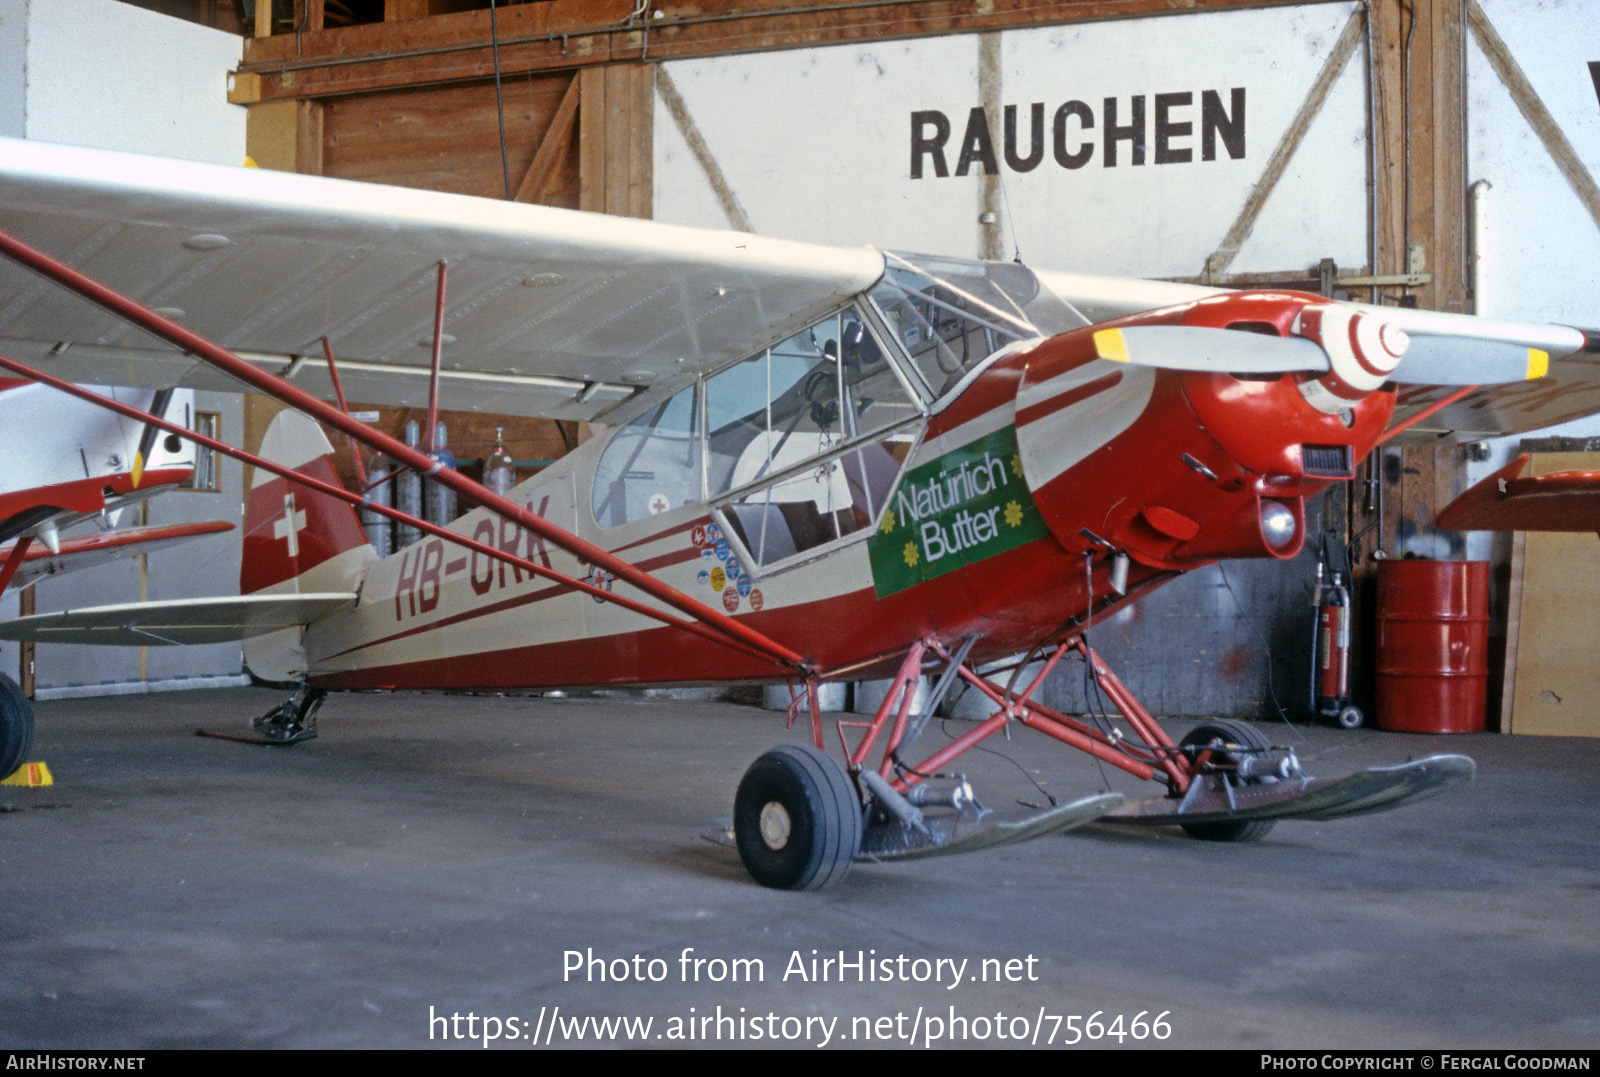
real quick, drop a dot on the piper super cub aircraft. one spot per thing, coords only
(817, 463)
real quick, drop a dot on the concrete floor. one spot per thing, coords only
(434, 855)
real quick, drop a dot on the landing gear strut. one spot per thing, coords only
(293, 720)
(800, 817)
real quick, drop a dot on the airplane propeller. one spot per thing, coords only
(1189, 347)
(147, 441)
(1363, 346)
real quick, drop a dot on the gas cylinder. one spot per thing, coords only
(408, 494)
(379, 528)
(1333, 653)
(439, 501)
(500, 470)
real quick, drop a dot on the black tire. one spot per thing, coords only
(16, 727)
(1234, 735)
(1350, 717)
(797, 819)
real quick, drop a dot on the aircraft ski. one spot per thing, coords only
(1216, 800)
(968, 831)
(816, 464)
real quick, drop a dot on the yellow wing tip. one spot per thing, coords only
(30, 775)
(1110, 344)
(1538, 363)
(138, 468)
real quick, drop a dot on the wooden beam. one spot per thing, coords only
(1345, 47)
(566, 34)
(271, 134)
(27, 606)
(308, 138)
(592, 140)
(672, 101)
(1533, 110)
(552, 147)
(404, 10)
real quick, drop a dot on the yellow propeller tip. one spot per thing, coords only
(1110, 344)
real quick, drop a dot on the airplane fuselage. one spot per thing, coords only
(1044, 458)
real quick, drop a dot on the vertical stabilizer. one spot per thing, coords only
(296, 540)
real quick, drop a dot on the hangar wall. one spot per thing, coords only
(1534, 152)
(108, 75)
(1101, 147)
(105, 74)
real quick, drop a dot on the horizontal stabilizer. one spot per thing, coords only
(179, 622)
(1508, 501)
(86, 551)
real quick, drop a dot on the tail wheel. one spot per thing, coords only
(797, 819)
(16, 726)
(1228, 741)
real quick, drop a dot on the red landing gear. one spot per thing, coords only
(800, 817)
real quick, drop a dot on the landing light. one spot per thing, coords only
(1277, 524)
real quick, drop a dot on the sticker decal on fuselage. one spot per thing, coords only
(967, 505)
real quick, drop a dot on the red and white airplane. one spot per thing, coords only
(817, 464)
(68, 462)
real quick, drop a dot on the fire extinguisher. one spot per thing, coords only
(1331, 680)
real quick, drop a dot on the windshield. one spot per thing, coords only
(950, 314)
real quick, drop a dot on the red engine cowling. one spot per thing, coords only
(1180, 468)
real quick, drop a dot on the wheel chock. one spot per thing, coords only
(30, 775)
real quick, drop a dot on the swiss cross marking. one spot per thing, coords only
(289, 525)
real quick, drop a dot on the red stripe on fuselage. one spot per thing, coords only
(850, 630)
(1035, 412)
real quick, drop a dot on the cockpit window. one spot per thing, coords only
(951, 314)
(651, 465)
(791, 426)
(827, 384)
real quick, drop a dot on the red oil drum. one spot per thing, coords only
(1433, 646)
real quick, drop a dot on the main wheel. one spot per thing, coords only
(16, 726)
(1234, 736)
(797, 819)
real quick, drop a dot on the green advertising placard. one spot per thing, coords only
(969, 504)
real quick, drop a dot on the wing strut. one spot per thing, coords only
(726, 628)
(338, 394)
(354, 499)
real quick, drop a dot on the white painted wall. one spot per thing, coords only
(816, 143)
(13, 71)
(203, 567)
(1541, 258)
(113, 76)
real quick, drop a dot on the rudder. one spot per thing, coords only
(294, 537)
